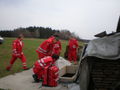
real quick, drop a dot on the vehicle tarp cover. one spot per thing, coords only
(107, 47)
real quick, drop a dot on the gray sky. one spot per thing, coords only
(84, 17)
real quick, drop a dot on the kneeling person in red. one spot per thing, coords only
(40, 68)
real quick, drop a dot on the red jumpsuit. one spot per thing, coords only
(45, 49)
(40, 67)
(72, 49)
(17, 53)
(56, 48)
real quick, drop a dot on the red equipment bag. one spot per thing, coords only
(53, 76)
(45, 76)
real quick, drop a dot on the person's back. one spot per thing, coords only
(72, 50)
(45, 48)
(73, 44)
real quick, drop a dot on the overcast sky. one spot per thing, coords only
(84, 17)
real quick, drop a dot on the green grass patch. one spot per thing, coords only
(30, 45)
(4, 89)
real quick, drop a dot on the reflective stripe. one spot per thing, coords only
(56, 73)
(24, 63)
(43, 50)
(40, 63)
(57, 79)
(42, 60)
(74, 46)
(20, 43)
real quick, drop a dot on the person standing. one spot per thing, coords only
(17, 52)
(72, 50)
(57, 47)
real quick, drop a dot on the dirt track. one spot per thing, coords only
(24, 81)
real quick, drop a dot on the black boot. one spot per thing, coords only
(35, 77)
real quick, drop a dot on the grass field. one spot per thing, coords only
(30, 45)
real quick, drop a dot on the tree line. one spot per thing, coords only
(37, 32)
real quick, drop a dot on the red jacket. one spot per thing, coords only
(17, 46)
(45, 62)
(46, 46)
(73, 44)
(56, 48)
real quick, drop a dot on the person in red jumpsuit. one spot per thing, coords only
(45, 48)
(40, 67)
(72, 50)
(17, 52)
(56, 47)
